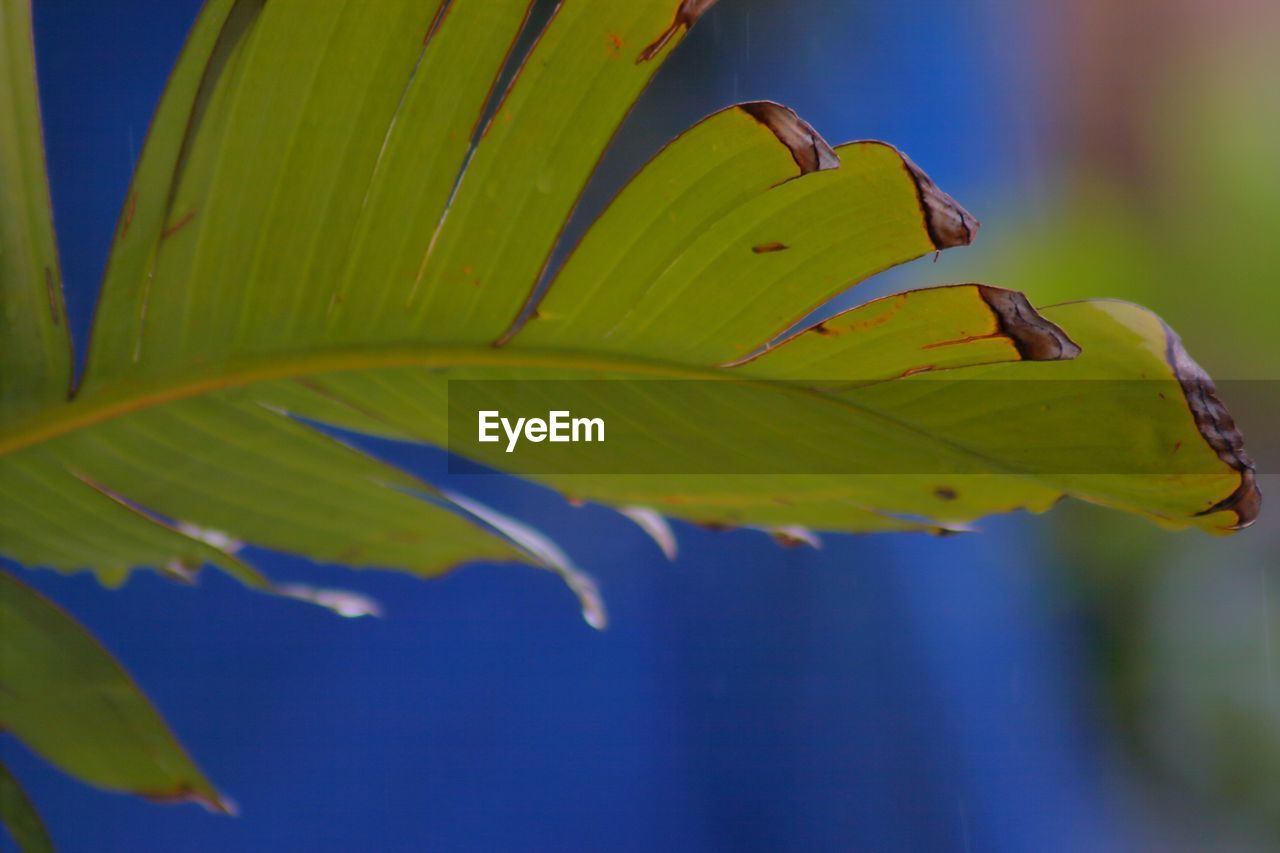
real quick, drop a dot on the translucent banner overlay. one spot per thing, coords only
(924, 425)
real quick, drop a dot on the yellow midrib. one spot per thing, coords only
(95, 407)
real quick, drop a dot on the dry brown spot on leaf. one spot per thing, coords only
(130, 208)
(892, 305)
(947, 223)
(1219, 431)
(687, 14)
(919, 368)
(967, 339)
(178, 225)
(1245, 501)
(810, 151)
(1035, 338)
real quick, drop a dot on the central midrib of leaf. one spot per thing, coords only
(94, 407)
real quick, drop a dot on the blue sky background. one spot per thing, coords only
(882, 693)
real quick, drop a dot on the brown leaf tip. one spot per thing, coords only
(1245, 501)
(948, 223)
(1219, 431)
(687, 14)
(810, 151)
(1035, 338)
(794, 536)
(186, 792)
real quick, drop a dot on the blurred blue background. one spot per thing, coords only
(888, 693)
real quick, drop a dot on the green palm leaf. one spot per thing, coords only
(68, 700)
(19, 817)
(340, 210)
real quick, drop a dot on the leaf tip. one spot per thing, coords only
(545, 553)
(687, 14)
(1245, 502)
(947, 223)
(1219, 431)
(347, 604)
(810, 151)
(795, 536)
(1034, 337)
(655, 524)
(206, 797)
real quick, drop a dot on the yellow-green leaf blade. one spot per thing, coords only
(917, 331)
(533, 161)
(260, 477)
(19, 816)
(1132, 423)
(213, 42)
(341, 93)
(703, 174)
(66, 698)
(756, 269)
(35, 346)
(967, 443)
(53, 516)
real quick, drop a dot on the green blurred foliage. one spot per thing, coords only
(1185, 630)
